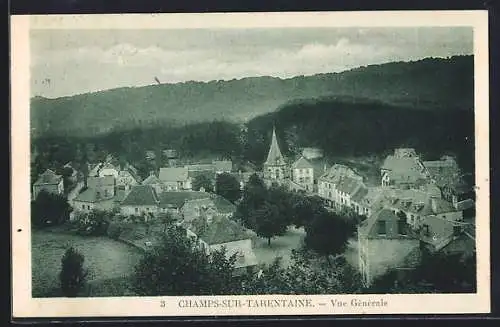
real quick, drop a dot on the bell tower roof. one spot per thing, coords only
(274, 157)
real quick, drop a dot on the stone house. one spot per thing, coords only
(50, 182)
(175, 179)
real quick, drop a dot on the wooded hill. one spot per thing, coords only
(438, 84)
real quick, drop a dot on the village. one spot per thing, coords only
(416, 203)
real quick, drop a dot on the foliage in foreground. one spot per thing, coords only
(73, 275)
(178, 266)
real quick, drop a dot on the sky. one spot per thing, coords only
(68, 62)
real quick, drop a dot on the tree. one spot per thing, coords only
(227, 186)
(203, 181)
(268, 222)
(167, 219)
(49, 208)
(177, 266)
(73, 275)
(307, 274)
(328, 233)
(304, 209)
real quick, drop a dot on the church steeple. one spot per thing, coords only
(274, 157)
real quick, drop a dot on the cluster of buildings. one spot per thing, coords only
(205, 215)
(418, 204)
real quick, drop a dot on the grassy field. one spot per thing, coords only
(107, 260)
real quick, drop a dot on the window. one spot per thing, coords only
(402, 227)
(381, 230)
(136, 209)
(83, 206)
(88, 207)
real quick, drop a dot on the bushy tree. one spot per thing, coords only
(328, 233)
(268, 222)
(73, 275)
(227, 186)
(49, 207)
(307, 274)
(203, 181)
(177, 266)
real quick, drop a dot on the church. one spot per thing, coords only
(299, 175)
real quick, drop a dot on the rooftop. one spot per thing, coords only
(97, 182)
(48, 177)
(177, 199)
(92, 195)
(223, 165)
(302, 163)
(274, 156)
(337, 171)
(219, 231)
(151, 180)
(141, 195)
(173, 174)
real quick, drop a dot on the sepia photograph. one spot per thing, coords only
(249, 164)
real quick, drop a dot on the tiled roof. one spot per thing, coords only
(443, 206)
(97, 182)
(223, 205)
(349, 185)
(223, 165)
(141, 195)
(375, 195)
(366, 227)
(48, 177)
(220, 230)
(92, 195)
(109, 166)
(173, 174)
(177, 199)
(151, 180)
(302, 163)
(199, 167)
(360, 194)
(337, 171)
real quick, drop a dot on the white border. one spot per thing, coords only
(24, 306)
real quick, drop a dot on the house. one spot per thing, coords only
(367, 200)
(403, 169)
(446, 175)
(173, 201)
(109, 169)
(418, 205)
(142, 199)
(303, 173)
(50, 182)
(329, 183)
(222, 166)
(175, 179)
(216, 232)
(105, 184)
(210, 205)
(127, 178)
(93, 199)
(154, 181)
(384, 241)
(275, 166)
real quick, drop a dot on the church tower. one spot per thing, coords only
(275, 167)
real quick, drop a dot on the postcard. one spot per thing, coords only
(250, 164)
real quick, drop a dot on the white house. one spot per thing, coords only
(303, 173)
(142, 199)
